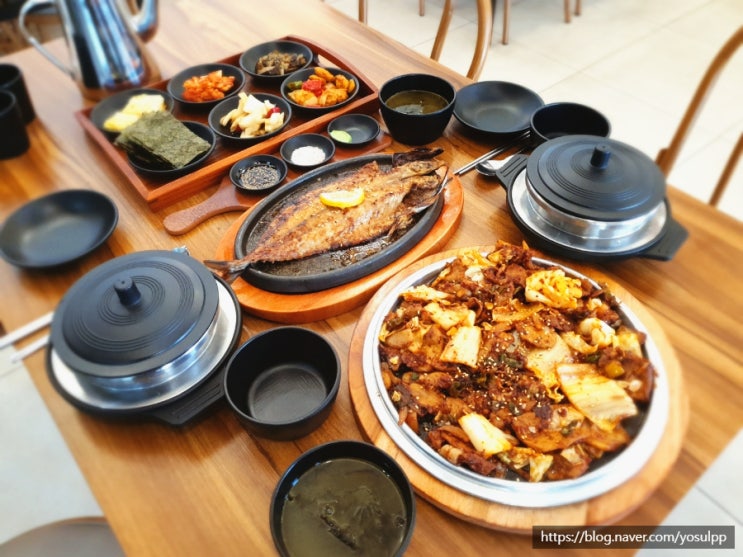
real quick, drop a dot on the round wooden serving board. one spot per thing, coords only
(314, 306)
(606, 508)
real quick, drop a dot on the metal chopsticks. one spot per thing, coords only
(26, 330)
(490, 154)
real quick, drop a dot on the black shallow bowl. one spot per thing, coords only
(566, 118)
(250, 58)
(417, 129)
(322, 142)
(361, 128)
(147, 169)
(282, 383)
(304, 75)
(57, 228)
(241, 166)
(496, 107)
(224, 107)
(175, 85)
(114, 103)
(378, 486)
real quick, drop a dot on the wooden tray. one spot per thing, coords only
(159, 194)
(604, 509)
(314, 306)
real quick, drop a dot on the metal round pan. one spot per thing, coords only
(496, 107)
(333, 268)
(57, 229)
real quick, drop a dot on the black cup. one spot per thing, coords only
(14, 138)
(11, 79)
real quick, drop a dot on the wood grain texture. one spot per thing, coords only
(205, 489)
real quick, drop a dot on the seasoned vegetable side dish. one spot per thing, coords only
(512, 369)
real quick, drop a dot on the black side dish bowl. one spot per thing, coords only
(367, 503)
(250, 57)
(258, 173)
(282, 383)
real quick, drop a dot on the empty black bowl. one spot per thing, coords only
(339, 493)
(258, 173)
(566, 118)
(176, 89)
(250, 57)
(417, 129)
(353, 130)
(282, 382)
(290, 150)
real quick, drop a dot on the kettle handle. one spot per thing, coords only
(27, 7)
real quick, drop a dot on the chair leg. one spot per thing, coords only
(566, 9)
(438, 43)
(363, 11)
(422, 7)
(506, 16)
(727, 173)
(577, 7)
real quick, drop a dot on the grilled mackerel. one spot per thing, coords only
(309, 227)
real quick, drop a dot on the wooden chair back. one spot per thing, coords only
(667, 156)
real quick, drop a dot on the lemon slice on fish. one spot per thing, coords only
(343, 199)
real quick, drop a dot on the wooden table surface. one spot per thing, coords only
(205, 489)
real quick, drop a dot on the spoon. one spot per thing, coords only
(490, 167)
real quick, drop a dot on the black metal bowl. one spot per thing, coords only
(496, 108)
(304, 75)
(57, 228)
(264, 182)
(354, 482)
(108, 106)
(150, 170)
(250, 57)
(224, 107)
(176, 90)
(282, 383)
(353, 130)
(290, 150)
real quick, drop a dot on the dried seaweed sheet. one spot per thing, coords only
(159, 138)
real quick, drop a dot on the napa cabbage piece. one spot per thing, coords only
(553, 288)
(543, 362)
(484, 436)
(450, 316)
(598, 398)
(423, 293)
(464, 346)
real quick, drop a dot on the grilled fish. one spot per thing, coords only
(308, 227)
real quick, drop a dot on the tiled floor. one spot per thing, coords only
(638, 61)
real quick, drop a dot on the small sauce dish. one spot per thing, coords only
(308, 150)
(258, 173)
(353, 130)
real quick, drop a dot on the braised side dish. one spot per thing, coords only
(279, 63)
(509, 368)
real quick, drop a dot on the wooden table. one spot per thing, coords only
(205, 489)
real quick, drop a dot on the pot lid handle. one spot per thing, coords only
(127, 291)
(600, 157)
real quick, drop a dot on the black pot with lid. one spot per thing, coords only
(592, 198)
(145, 334)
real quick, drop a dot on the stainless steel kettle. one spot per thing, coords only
(106, 42)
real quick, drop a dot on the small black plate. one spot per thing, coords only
(361, 128)
(333, 268)
(175, 85)
(496, 107)
(58, 228)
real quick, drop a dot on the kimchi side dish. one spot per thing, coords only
(512, 369)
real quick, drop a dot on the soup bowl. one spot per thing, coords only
(416, 108)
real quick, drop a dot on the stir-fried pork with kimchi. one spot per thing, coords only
(501, 365)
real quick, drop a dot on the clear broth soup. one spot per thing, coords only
(417, 102)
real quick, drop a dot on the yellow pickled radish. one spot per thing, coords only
(343, 198)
